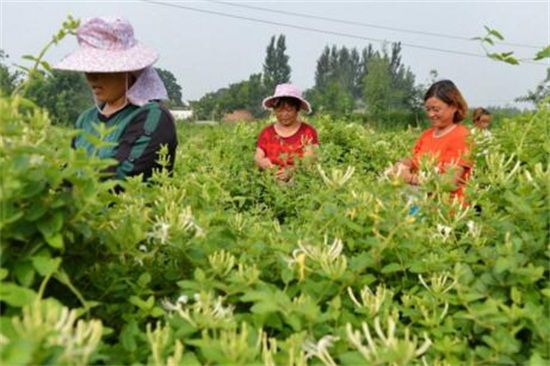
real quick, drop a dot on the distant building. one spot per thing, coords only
(181, 114)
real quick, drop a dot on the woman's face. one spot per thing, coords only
(483, 121)
(439, 113)
(286, 114)
(107, 87)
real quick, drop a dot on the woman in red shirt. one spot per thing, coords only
(288, 138)
(446, 142)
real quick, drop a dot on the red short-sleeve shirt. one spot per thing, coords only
(282, 150)
(450, 149)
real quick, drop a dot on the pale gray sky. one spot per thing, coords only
(208, 51)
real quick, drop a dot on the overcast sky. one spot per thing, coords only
(207, 51)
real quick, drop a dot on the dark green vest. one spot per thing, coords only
(88, 122)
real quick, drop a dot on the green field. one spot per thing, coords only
(220, 264)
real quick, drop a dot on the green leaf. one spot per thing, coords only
(28, 57)
(44, 265)
(392, 267)
(15, 295)
(495, 33)
(128, 336)
(502, 264)
(544, 53)
(46, 66)
(157, 312)
(55, 241)
(144, 279)
(142, 305)
(264, 307)
(3, 273)
(51, 224)
(24, 272)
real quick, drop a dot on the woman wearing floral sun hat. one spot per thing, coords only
(126, 91)
(289, 137)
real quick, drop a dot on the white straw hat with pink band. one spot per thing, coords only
(287, 90)
(108, 45)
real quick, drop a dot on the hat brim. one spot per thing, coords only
(270, 101)
(87, 59)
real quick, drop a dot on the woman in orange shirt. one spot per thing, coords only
(446, 142)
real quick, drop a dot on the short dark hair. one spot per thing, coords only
(447, 92)
(291, 101)
(480, 111)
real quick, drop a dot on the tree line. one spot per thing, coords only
(370, 85)
(368, 82)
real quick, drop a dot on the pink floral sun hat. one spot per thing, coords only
(108, 45)
(287, 90)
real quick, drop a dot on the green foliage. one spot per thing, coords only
(8, 79)
(63, 94)
(493, 36)
(541, 92)
(243, 95)
(375, 82)
(68, 27)
(172, 87)
(378, 93)
(276, 69)
(221, 264)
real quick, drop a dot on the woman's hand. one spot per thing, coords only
(262, 161)
(403, 169)
(265, 163)
(284, 174)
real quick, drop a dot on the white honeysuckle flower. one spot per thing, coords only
(438, 283)
(222, 262)
(338, 178)
(369, 300)
(320, 349)
(182, 299)
(36, 159)
(219, 311)
(328, 256)
(160, 232)
(167, 305)
(335, 249)
(277, 226)
(473, 229)
(444, 231)
(385, 342)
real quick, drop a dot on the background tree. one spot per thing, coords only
(64, 94)
(276, 68)
(541, 92)
(378, 92)
(323, 70)
(172, 87)
(8, 79)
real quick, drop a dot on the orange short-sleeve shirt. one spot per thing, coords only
(448, 150)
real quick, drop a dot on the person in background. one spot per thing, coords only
(446, 143)
(127, 92)
(482, 118)
(280, 143)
